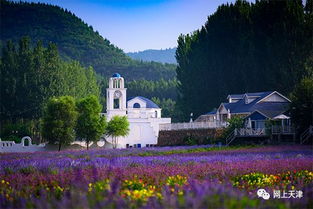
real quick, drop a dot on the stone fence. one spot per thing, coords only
(184, 137)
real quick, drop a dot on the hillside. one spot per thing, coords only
(75, 40)
(163, 55)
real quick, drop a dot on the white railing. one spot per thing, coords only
(231, 137)
(250, 132)
(193, 125)
(306, 135)
(283, 130)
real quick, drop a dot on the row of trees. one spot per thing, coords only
(162, 89)
(245, 47)
(64, 120)
(30, 75)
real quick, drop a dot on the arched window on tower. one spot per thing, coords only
(156, 114)
(116, 103)
(136, 105)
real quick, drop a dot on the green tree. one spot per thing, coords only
(90, 124)
(8, 84)
(167, 105)
(118, 126)
(234, 122)
(302, 104)
(59, 120)
(92, 86)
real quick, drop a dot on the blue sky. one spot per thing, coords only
(136, 25)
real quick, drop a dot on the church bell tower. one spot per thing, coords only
(116, 97)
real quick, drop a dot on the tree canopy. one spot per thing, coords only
(59, 120)
(117, 126)
(302, 104)
(90, 125)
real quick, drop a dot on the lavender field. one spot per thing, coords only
(170, 177)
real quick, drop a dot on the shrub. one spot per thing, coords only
(234, 122)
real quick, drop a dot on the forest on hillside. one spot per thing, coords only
(245, 47)
(75, 40)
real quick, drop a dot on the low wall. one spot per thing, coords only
(25, 146)
(184, 137)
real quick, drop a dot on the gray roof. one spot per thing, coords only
(149, 103)
(235, 96)
(270, 109)
(213, 112)
(256, 94)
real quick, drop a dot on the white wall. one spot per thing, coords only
(143, 113)
(142, 131)
(11, 146)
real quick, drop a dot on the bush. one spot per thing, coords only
(189, 140)
(234, 122)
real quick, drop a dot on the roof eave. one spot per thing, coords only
(272, 94)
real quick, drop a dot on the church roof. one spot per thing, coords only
(149, 103)
(116, 75)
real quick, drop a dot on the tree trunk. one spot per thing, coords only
(59, 146)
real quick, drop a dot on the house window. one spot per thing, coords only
(127, 145)
(253, 124)
(224, 117)
(156, 114)
(136, 105)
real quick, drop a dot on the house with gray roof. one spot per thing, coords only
(256, 108)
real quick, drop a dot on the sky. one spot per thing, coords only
(136, 25)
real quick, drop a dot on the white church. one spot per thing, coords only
(144, 116)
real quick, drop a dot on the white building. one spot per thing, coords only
(144, 116)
